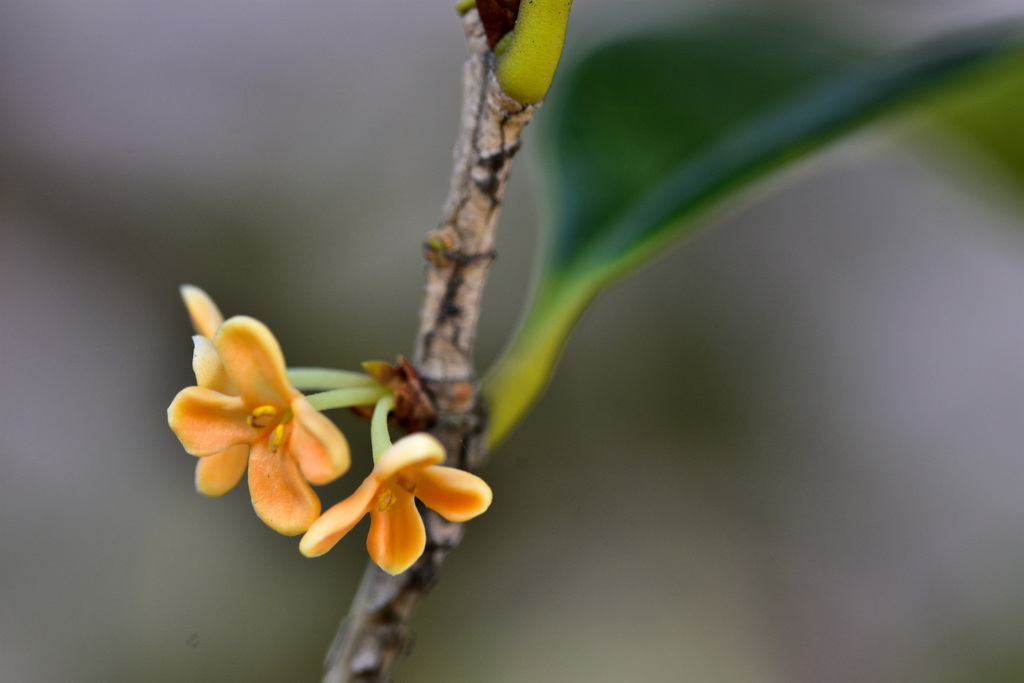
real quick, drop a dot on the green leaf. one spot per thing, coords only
(645, 136)
(988, 113)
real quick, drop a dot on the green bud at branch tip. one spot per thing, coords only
(529, 54)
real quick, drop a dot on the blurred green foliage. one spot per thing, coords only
(651, 132)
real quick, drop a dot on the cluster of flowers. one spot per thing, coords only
(246, 413)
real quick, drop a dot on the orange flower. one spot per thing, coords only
(244, 403)
(397, 537)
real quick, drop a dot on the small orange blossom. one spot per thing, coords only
(244, 398)
(407, 470)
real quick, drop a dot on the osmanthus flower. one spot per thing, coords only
(244, 400)
(408, 469)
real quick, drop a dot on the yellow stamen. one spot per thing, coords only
(257, 419)
(385, 500)
(278, 437)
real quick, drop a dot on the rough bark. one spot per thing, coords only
(458, 253)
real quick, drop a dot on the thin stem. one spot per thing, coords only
(304, 379)
(380, 437)
(346, 398)
(376, 632)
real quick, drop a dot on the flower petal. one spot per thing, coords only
(452, 493)
(209, 368)
(415, 450)
(280, 494)
(397, 536)
(206, 317)
(219, 473)
(254, 361)
(317, 444)
(339, 520)
(207, 422)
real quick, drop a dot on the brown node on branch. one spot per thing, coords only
(498, 18)
(439, 245)
(414, 410)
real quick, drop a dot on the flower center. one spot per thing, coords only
(261, 417)
(264, 416)
(385, 500)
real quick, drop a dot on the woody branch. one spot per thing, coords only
(458, 254)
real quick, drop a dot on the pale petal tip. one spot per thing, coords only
(486, 496)
(415, 450)
(308, 549)
(399, 556)
(205, 315)
(395, 564)
(314, 546)
(248, 326)
(288, 526)
(397, 569)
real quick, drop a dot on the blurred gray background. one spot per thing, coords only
(792, 451)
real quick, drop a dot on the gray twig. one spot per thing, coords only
(376, 633)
